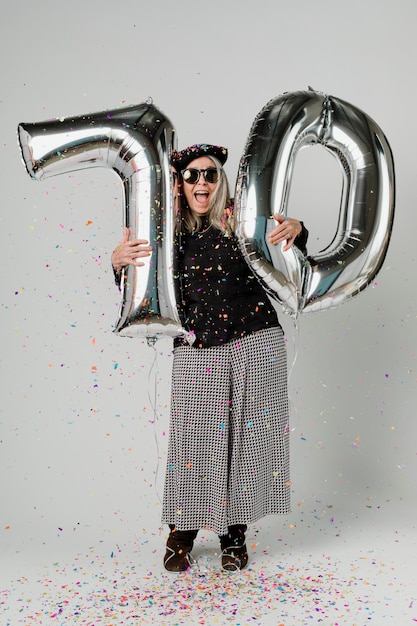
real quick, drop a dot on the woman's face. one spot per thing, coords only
(198, 195)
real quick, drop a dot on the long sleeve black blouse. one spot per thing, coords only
(221, 298)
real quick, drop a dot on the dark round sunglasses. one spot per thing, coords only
(192, 175)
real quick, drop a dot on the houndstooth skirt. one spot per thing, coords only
(228, 451)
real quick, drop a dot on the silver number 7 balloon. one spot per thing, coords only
(285, 125)
(136, 143)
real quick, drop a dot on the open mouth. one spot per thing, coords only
(201, 196)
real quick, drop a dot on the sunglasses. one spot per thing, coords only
(192, 175)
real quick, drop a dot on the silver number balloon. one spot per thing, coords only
(283, 127)
(135, 142)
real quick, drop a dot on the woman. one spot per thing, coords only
(228, 453)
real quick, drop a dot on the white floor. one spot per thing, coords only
(320, 565)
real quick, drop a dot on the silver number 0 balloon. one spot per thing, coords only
(284, 126)
(136, 143)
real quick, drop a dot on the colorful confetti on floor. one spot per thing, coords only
(321, 590)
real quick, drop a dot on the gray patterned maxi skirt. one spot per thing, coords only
(228, 451)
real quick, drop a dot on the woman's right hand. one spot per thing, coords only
(128, 252)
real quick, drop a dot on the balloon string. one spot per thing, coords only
(152, 401)
(295, 420)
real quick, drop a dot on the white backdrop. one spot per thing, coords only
(84, 414)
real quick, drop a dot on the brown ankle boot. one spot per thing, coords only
(179, 545)
(234, 552)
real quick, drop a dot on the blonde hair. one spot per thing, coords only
(220, 212)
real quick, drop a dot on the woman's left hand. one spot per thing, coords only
(287, 230)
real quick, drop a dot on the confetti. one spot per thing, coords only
(94, 590)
